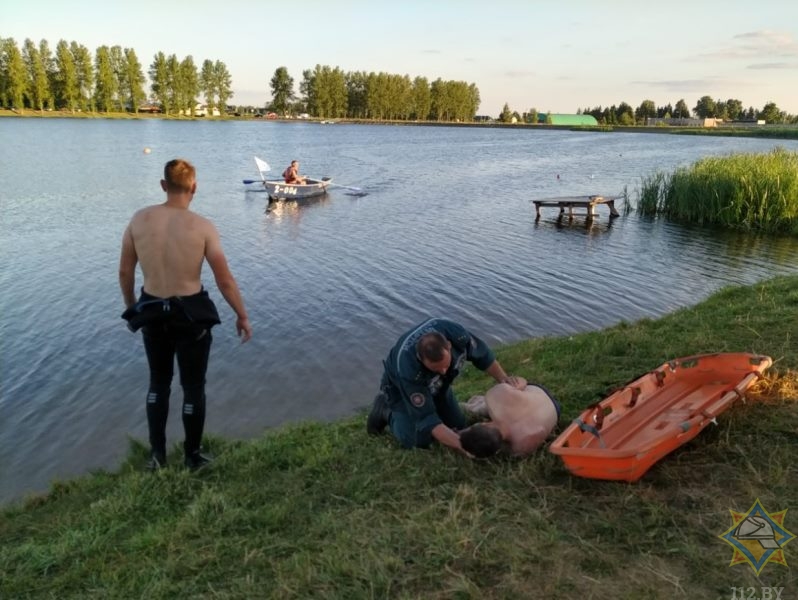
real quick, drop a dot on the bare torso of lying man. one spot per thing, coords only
(523, 418)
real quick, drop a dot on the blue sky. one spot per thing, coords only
(552, 56)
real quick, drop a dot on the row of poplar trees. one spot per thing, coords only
(111, 80)
(328, 92)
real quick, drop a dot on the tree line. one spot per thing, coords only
(110, 80)
(328, 92)
(706, 107)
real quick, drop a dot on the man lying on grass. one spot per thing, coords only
(520, 420)
(416, 400)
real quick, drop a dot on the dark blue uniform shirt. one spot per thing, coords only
(411, 387)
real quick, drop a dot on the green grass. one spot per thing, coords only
(57, 114)
(743, 191)
(784, 132)
(319, 510)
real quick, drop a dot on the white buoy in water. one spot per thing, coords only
(147, 150)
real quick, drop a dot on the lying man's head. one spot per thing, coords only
(481, 440)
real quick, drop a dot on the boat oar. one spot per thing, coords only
(253, 181)
(346, 187)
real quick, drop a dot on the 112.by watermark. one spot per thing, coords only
(754, 593)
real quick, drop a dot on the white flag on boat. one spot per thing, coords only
(262, 165)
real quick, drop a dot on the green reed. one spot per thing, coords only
(745, 191)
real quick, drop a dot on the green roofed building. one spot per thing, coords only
(566, 119)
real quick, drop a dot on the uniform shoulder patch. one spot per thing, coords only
(417, 400)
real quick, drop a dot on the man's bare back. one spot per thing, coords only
(170, 244)
(524, 417)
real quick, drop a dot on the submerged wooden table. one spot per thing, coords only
(587, 202)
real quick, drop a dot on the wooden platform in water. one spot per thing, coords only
(589, 203)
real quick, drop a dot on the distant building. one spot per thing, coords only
(150, 107)
(747, 122)
(201, 110)
(684, 122)
(565, 119)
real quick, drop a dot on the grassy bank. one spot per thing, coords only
(324, 511)
(744, 191)
(60, 114)
(783, 132)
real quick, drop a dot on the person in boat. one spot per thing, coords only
(291, 174)
(520, 420)
(415, 399)
(174, 310)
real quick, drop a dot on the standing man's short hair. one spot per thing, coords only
(179, 175)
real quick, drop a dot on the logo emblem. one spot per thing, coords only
(417, 400)
(758, 537)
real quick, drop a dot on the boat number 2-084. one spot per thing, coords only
(285, 190)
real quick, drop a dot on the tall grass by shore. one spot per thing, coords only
(745, 191)
(324, 511)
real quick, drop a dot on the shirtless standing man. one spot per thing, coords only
(175, 312)
(521, 420)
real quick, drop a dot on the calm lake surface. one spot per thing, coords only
(447, 228)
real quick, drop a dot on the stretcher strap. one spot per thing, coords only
(590, 429)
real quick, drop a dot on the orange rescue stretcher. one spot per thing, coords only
(623, 435)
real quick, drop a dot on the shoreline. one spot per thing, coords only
(315, 508)
(787, 132)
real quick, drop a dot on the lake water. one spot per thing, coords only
(447, 228)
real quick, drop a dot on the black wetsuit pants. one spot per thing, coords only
(191, 344)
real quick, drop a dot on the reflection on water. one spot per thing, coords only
(280, 209)
(289, 213)
(759, 247)
(583, 223)
(328, 283)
